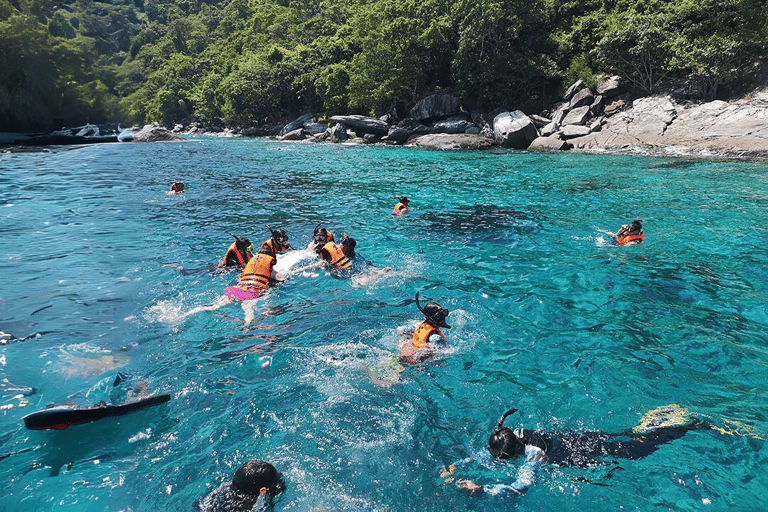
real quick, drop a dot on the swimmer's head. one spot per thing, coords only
(255, 475)
(177, 186)
(404, 200)
(280, 237)
(348, 245)
(320, 236)
(434, 313)
(503, 443)
(636, 226)
(250, 481)
(243, 243)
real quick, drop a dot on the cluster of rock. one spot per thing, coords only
(426, 123)
(439, 121)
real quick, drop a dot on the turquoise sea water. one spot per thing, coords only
(547, 318)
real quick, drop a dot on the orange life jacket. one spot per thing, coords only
(268, 247)
(242, 257)
(338, 259)
(399, 208)
(627, 238)
(417, 348)
(257, 274)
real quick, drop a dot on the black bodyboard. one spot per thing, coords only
(61, 417)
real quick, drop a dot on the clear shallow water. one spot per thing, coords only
(577, 334)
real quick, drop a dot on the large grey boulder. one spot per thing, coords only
(437, 106)
(446, 141)
(155, 133)
(552, 143)
(297, 134)
(297, 123)
(611, 86)
(573, 89)
(581, 99)
(572, 131)
(577, 116)
(407, 128)
(452, 126)
(539, 121)
(362, 124)
(514, 130)
(338, 133)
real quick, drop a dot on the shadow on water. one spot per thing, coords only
(482, 221)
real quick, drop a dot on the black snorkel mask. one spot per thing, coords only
(280, 237)
(434, 312)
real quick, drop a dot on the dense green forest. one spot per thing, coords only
(255, 62)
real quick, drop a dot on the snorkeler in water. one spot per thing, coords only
(177, 187)
(252, 488)
(579, 449)
(628, 234)
(401, 206)
(238, 254)
(260, 272)
(320, 237)
(427, 336)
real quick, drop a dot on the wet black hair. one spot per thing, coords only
(434, 312)
(254, 475)
(636, 226)
(503, 443)
(404, 200)
(349, 242)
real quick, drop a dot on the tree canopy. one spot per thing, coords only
(252, 62)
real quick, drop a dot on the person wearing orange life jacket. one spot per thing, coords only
(427, 335)
(334, 256)
(401, 207)
(629, 234)
(259, 273)
(238, 254)
(320, 237)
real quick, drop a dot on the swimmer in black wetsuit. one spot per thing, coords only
(252, 488)
(580, 449)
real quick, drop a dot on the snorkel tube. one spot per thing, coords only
(504, 417)
(432, 316)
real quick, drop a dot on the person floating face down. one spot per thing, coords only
(238, 254)
(427, 336)
(335, 256)
(252, 488)
(259, 273)
(320, 237)
(401, 207)
(583, 449)
(630, 234)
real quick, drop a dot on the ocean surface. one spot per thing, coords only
(104, 271)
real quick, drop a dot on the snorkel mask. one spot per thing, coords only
(434, 312)
(243, 243)
(280, 237)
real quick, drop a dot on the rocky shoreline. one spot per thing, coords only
(603, 120)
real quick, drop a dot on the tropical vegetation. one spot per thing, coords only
(255, 62)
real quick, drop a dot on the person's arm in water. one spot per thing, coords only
(526, 476)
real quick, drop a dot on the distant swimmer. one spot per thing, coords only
(252, 488)
(401, 207)
(628, 234)
(177, 187)
(259, 273)
(578, 449)
(427, 336)
(238, 254)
